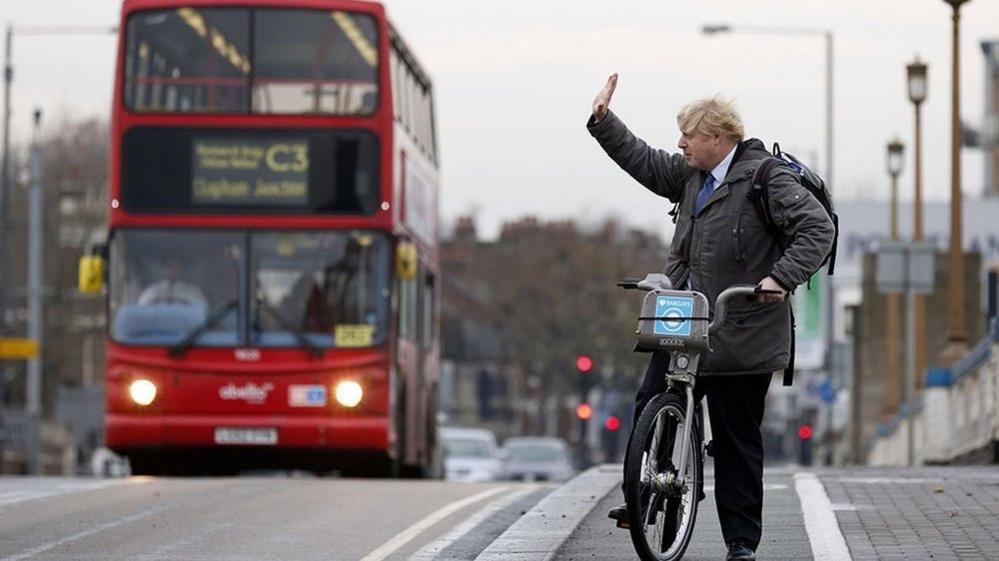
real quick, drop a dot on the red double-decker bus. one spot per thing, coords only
(271, 261)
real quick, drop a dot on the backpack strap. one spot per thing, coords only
(789, 371)
(835, 245)
(760, 194)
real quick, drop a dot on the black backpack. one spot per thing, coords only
(809, 180)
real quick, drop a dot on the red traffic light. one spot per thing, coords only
(584, 411)
(805, 432)
(612, 423)
(584, 363)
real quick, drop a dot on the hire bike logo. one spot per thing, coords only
(249, 392)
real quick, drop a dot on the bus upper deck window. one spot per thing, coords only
(188, 60)
(314, 62)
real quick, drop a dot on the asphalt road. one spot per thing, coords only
(250, 518)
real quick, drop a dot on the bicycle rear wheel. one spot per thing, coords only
(661, 514)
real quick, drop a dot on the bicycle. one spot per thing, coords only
(664, 463)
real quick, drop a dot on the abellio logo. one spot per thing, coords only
(249, 392)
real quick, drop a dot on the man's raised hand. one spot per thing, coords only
(603, 99)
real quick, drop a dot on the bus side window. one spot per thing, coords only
(428, 300)
(394, 70)
(408, 309)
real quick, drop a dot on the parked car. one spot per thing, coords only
(530, 458)
(470, 455)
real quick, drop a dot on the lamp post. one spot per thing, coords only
(34, 384)
(896, 152)
(916, 82)
(893, 384)
(827, 36)
(957, 340)
(5, 171)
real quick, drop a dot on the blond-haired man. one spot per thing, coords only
(720, 240)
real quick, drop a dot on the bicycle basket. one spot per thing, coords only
(673, 319)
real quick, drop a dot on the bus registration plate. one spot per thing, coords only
(238, 435)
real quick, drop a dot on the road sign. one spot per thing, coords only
(678, 307)
(905, 266)
(18, 349)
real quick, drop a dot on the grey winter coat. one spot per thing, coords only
(728, 243)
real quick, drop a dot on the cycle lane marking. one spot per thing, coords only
(433, 549)
(404, 537)
(539, 533)
(824, 536)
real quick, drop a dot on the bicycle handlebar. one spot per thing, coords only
(721, 304)
(659, 281)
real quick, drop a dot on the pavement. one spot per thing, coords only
(784, 536)
(938, 513)
(919, 513)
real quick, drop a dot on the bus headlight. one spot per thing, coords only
(142, 392)
(348, 393)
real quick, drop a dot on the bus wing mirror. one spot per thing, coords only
(405, 260)
(91, 274)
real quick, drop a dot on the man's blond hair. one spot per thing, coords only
(711, 116)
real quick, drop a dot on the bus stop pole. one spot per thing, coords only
(36, 283)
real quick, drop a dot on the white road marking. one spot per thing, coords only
(50, 488)
(823, 530)
(401, 539)
(23, 496)
(766, 487)
(886, 480)
(431, 550)
(107, 526)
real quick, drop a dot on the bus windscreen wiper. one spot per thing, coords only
(299, 335)
(192, 336)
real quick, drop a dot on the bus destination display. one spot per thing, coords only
(250, 172)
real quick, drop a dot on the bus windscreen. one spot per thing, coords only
(168, 170)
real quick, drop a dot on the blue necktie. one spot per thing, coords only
(705, 194)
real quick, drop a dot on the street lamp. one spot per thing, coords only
(958, 336)
(718, 28)
(827, 35)
(916, 81)
(893, 366)
(896, 151)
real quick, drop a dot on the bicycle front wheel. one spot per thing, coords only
(661, 509)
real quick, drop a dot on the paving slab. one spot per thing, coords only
(938, 513)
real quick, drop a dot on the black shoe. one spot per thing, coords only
(619, 514)
(739, 551)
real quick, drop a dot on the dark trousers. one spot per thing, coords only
(735, 407)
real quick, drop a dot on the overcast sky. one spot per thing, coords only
(515, 79)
